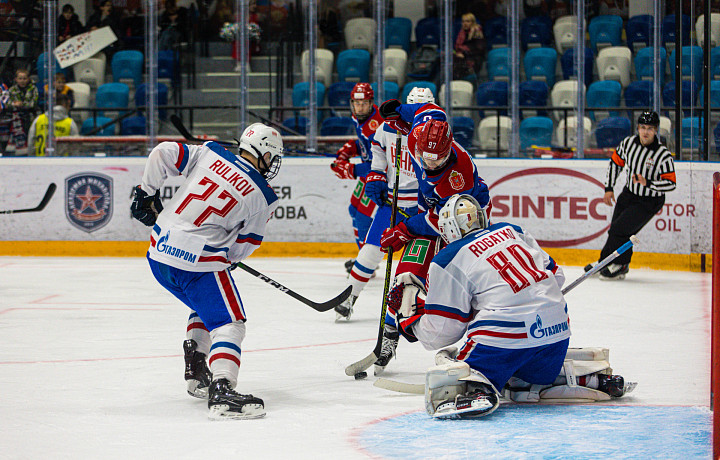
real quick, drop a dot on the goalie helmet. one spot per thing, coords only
(259, 139)
(461, 215)
(418, 95)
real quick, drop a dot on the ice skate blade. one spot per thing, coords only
(629, 387)
(339, 317)
(195, 392)
(477, 410)
(249, 411)
(378, 370)
(612, 278)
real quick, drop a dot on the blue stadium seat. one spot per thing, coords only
(127, 64)
(605, 30)
(534, 94)
(610, 131)
(91, 123)
(337, 126)
(536, 32)
(644, 64)
(568, 65)
(298, 124)
(690, 133)
(498, 64)
(715, 63)
(392, 91)
(689, 92)
(639, 94)
(162, 92)
(716, 134)
(417, 84)
(691, 62)
(540, 65)
(427, 32)
(639, 31)
(463, 129)
(166, 65)
(494, 93)
(398, 32)
(668, 30)
(338, 94)
(133, 126)
(301, 94)
(353, 65)
(536, 131)
(714, 95)
(606, 93)
(112, 96)
(496, 32)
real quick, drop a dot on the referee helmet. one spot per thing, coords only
(649, 118)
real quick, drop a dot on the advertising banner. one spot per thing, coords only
(557, 201)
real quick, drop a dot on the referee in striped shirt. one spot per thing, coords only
(650, 174)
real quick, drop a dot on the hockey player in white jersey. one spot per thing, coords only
(494, 285)
(379, 184)
(217, 217)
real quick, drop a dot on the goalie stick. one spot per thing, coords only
(368, 361)
(324, 306)
(45, 200)
(606, 261)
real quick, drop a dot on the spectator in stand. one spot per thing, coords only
(62, 123)
(469, 48)
(23, 99)
(329, 25)
(68, 24)
(535, 8)
(61, 87)
(174, 25)
(106, 16)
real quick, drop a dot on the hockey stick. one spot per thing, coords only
(606, 261)
(399, 210)
(45, 200)
(400, 387)
(324, 306)
(368, 361)
(184, 132)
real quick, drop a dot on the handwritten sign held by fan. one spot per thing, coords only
(84, 45)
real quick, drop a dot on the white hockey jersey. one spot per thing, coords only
(497, 285)
(383, 160)
(218, 215)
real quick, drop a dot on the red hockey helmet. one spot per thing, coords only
(361, 101)
(433, 145)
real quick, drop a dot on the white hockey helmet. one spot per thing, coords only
(259, 139)
(418, 95)
(461, 215)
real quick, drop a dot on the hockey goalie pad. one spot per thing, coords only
(453, 389)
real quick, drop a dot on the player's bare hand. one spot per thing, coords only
(609, 198)
(639, 179)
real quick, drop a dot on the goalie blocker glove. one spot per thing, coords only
(146, 208)
(376, 187)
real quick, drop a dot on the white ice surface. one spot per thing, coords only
(91, 362)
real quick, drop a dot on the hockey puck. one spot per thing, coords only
(360, 375)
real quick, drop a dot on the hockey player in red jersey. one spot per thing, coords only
(216, 218)
(367, 118)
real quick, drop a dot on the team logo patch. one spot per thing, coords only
(373, 124)
(88, 200)
(456, 180)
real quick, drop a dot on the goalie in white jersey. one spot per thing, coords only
(217, 217)
(495, 286)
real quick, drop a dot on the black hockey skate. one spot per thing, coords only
(345, 309)
(614, 385)
(197, 374)
(349, 265)
(614, 272)
(480, 402)
(226, 403)
(387, 352)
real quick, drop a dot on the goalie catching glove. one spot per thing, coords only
(376, 187)
(406, 301)
(395, 237)
(146, 208)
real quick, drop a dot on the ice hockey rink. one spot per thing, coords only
(91, 367)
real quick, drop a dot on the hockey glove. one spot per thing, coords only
(406, 301)
(376, 187)
(388, 109)
(146, 208)
(343, 169)
(395, 237)
(400, 125)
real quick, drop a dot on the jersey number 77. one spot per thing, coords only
(205, 196)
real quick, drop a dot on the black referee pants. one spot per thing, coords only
(631, 214)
